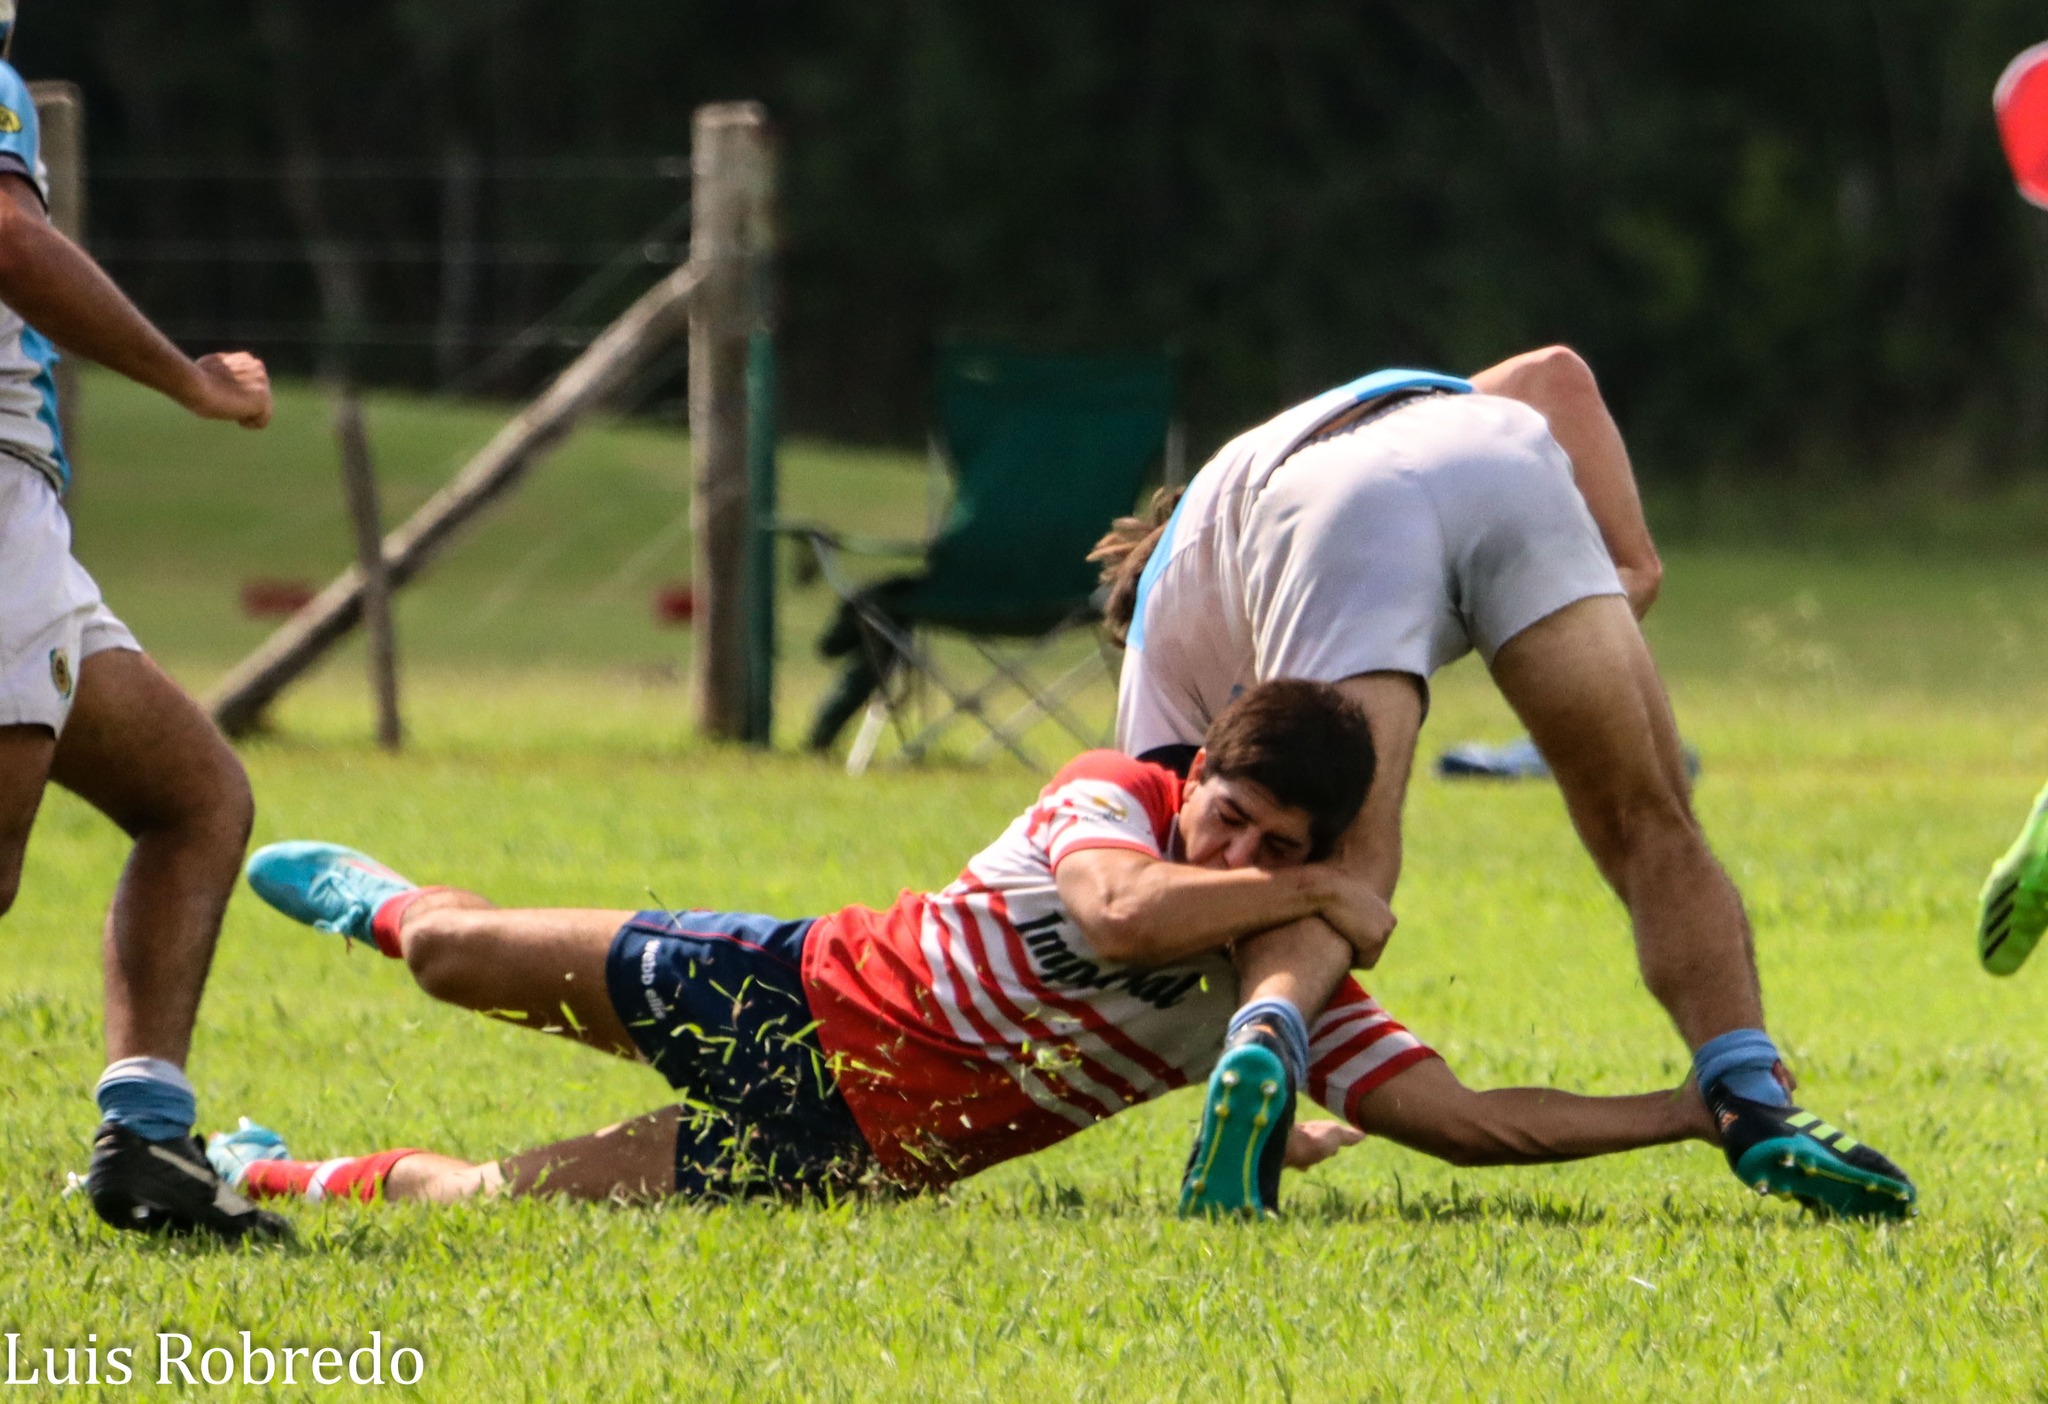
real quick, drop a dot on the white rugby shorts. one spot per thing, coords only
(51, 615)
(1448, 524)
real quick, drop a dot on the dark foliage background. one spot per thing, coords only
(1771, 227)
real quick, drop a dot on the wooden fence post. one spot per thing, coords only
(359, 480)
(60, 116)
(730, 235)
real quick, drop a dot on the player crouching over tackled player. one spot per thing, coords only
(1078, 966)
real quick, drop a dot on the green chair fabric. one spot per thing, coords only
(1045, 452)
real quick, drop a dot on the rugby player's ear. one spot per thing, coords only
(1195, 768)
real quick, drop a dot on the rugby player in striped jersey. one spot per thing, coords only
(1079, 965)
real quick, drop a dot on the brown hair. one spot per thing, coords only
(1123, 551)
(1306, 744)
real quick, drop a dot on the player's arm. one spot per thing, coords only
(61, 292)
(1426, 1108)
(1138, 909)
(1559, 385)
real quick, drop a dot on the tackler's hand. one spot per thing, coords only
(1358, 914)
(1313, 1142)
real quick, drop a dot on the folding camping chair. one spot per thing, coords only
(1043, 451)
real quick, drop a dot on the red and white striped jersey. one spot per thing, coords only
(976, 1024)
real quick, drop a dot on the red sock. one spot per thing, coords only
(361, 1178)
(389, 917)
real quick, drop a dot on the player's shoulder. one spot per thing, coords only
(1154, 787)
(1112, 767)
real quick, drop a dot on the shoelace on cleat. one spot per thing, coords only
(328, 888)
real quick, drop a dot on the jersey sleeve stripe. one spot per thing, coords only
(1336, 1056)
(1380, 1077)
(1364, 1066)
(1334, 1033)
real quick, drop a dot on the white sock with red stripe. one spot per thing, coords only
(360, 1178)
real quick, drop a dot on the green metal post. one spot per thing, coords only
(761, 537)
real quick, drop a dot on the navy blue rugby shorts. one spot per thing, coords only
(716, 1002)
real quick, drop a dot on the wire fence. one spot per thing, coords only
(454, 274)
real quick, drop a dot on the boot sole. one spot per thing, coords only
(1807, 1171)
(1239, 1114)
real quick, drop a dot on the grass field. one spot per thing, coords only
(1871, 733)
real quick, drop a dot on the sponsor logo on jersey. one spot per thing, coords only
(1162, 989)
(10, 120)
(60, 661)
(1115, 809)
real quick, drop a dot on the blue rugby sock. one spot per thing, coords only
(1741, 1060)
(1282, 1018)
(149, 1096)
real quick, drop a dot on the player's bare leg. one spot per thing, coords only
(541, 968)
(143, 753)
(633, 1162)
(1583, 682)
(25, 753)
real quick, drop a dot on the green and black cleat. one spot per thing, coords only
(1783, 1150)
(1246, 1117)
(2012, 909)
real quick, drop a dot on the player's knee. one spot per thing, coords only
(206, 800)
(219, 808)
(233, 806)
(434, 953)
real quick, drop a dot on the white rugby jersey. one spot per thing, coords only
(28, 386)
(976, 1024)
(1209, 631)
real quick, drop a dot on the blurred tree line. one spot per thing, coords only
(1773, 229)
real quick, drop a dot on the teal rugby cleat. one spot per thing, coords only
(1784, 1150)
(2012, 908)
(326, 886)
(231, 1153)
(1246, 1116)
